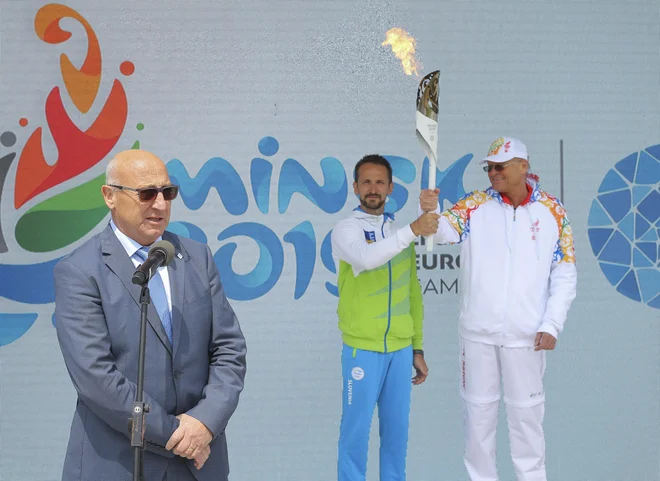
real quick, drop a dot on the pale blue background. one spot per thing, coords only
(213, 78)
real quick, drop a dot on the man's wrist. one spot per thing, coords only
(418, 351)
(413, 225)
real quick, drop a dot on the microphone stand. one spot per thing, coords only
(140, 409)
(160, 254)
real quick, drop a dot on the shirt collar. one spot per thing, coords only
(506, 200)
(387, 215)
(130, 246)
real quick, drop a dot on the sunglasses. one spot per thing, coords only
(148, 194)
(497, 167)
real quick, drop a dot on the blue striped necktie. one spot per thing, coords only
(158, 296)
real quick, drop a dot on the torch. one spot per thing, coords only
(426, 127)
(426, 122)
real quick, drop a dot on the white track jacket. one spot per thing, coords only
(518, 274)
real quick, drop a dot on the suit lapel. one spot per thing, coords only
(116, 258)
(177, 274)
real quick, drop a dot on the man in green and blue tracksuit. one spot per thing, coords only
(380, 316)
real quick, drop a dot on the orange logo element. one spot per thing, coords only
(78, 150)
(495, 147)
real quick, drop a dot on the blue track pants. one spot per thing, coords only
(370, 379)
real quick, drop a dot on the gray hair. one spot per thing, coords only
(111, 172)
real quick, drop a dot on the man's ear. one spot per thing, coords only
(108, 196)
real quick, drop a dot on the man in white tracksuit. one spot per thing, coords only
(518, 280)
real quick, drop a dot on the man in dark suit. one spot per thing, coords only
(195, 350)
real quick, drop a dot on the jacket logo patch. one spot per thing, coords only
(535, 228)
(357, 373)
(370, 236)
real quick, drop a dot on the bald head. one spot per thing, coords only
(142, 221)
(127, 161)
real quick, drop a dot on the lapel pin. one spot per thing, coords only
(179, 256)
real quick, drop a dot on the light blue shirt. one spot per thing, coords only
(131, 247)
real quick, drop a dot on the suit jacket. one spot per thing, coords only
(97, 317)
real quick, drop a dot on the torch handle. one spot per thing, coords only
(428, 240)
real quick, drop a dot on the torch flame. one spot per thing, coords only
(403, 47)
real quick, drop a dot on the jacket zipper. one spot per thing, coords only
(389, 300)
(508, 277)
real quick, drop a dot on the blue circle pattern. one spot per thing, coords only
(624, 226)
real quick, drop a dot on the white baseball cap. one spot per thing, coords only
(505, 149)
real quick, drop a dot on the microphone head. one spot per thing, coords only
(166, 247)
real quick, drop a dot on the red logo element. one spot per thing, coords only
(78, 150)
(535, 228)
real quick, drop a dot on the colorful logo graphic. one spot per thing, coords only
(624, 226)
(53, 211)
(57, 220)
(495, 146)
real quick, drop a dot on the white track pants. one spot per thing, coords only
(520, 371)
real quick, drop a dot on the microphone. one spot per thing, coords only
(160, 254)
